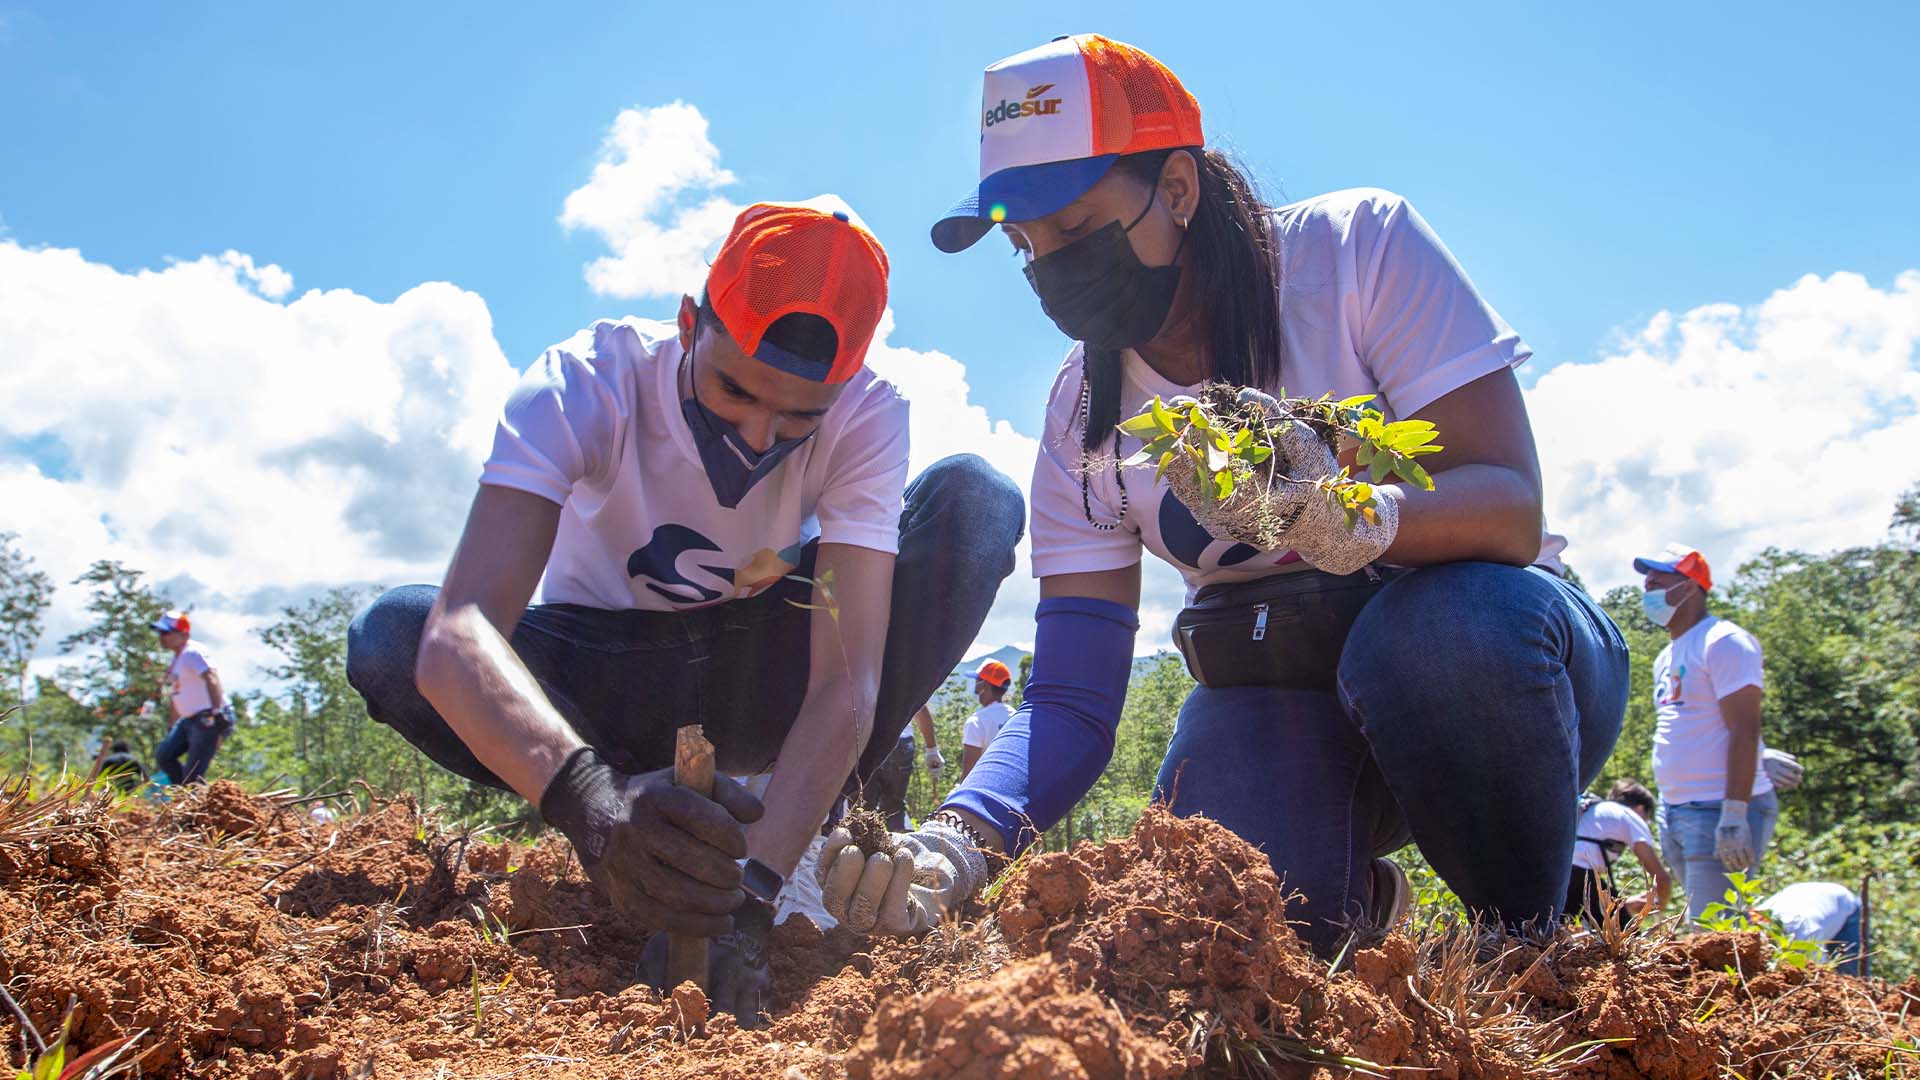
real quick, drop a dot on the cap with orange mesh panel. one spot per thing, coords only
(813, 257)
(1678, 559)
(1052, 122)
(994, 673)
(172, 622)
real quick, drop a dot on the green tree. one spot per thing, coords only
(125, 664)
(25, 594)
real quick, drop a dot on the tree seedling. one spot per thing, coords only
(1225, 453)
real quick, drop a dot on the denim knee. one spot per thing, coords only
(987, 497)
(383, 641)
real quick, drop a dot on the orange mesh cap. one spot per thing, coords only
(994, 673)
(173, 622)
(814, 257)
(1054, 119)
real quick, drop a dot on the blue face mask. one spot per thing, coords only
(1654, 602)
(733, 465)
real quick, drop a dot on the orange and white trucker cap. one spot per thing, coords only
(815, 257)
(994, 673)
(173, 622)
(1052, 122)
(1679, 559)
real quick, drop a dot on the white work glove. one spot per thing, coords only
(936, 763)
(1319, 531)
(1733, 841)
(930, 873)
(1783, 769)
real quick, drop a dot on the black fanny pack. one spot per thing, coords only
(1284, 631)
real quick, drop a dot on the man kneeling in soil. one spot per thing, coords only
(713, 511)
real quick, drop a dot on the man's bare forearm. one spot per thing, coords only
(820, 750)
(474, 679)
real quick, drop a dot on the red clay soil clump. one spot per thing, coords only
(237, 938)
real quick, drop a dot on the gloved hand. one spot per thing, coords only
(663, 854)
(738, 981)
(930, 873)
(1319, 530)
(1733, 841)
(1783, 769)
(936, 763)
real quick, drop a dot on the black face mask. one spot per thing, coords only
(1096, 290)
(733, 465)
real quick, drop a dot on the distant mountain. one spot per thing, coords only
(1007, 654)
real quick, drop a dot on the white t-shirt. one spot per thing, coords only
(1370, 303)
(595, 425)
(1607, 820)
(187, 682)
(1812, 910)
(984, 725)
(1690, 676)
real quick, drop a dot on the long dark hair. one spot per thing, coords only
(1231, 285)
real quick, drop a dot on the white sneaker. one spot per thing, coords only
(1392, 894)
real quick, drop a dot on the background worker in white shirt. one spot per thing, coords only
(1717, 806)
(990, 686)
(1607, 829)
(712, 510)
(1822, 912)
(198, 700)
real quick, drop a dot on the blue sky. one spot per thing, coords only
(1589, 166)
(1701, 216)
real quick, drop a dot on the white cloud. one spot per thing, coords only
(1791, 423)
(244, 450)
(652, 199)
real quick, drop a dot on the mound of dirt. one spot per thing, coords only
(238, 938)
(1178, 920)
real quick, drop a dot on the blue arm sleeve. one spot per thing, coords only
(1082, 659)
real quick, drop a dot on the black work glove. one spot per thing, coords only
(737, 977)
(663, 854)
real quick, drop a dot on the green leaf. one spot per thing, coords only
(1258, 454)
(1241, 439)
(1160, 415)
(1222, 485)
(1141, 427)
(1356, 400)
(1414, 474)
(1197, 417)
(1379, 468)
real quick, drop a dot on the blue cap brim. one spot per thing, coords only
(1017, 194)
(793, 363)
(1648, 566)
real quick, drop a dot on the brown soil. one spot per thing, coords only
(245, 940)
(868, 827)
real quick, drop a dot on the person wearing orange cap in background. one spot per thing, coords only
(1419, 678)
(198, 700)
(990, 685)
(712, 510)
(1717, 801)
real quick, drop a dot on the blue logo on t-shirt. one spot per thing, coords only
(1188, 542)
(660, 560)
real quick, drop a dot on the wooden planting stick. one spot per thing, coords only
(693, 769)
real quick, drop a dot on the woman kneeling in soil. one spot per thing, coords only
(1423, 677)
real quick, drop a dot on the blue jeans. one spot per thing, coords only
(626, 680)
(1847, 950)
(197, 737)
(1474, 703)
(1686, 841)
